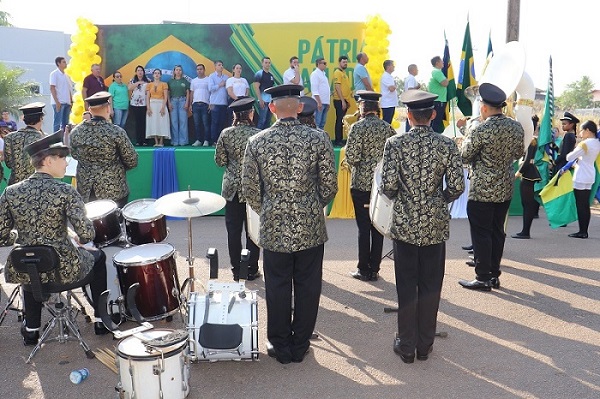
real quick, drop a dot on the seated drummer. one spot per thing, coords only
(38, 208)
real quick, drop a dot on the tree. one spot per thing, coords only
(577, 95)
(13, 92)
(4, 17)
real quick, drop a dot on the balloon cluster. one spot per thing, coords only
(376, 47)
(83, 53)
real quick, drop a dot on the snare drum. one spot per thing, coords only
(232, 310)
(153, 267)
(146, 372)
(381, 208)
(105, 216)
(143, 223)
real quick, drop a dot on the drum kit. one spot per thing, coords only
(143, 286)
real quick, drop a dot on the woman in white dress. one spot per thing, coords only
(158, 125)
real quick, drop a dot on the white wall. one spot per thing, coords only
(34, 51)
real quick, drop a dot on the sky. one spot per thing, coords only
(560, 30)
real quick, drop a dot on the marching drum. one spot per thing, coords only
(153, 267)
(233, 313)
(152, 372)
(143, 223)
(381, 208)
(105, 216)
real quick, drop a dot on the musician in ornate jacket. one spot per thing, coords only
(15, 156)
(491, 149)
(414, 167)
(229, 153)
(288, 176)
(363, 152)
(39, 208)
(104, 153)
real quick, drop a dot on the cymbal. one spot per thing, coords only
(189, 204)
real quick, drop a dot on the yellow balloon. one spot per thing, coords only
(97, 59)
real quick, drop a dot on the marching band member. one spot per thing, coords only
(491, 149)
(364, 148)
(414, 167)
(288, 176)
(229, 153)
(15, 156)
(39, 208)
(104, 153)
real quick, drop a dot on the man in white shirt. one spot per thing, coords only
(410, 83)
(61, 94)
(321, 92)
(389, 95)
(292, 75)
(200, 101)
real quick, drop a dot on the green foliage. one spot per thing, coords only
(13, 92)
(4, 17)
(577, 95)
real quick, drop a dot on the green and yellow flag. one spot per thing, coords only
(466, 74)
(559, 201)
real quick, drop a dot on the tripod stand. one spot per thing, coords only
(9, 305)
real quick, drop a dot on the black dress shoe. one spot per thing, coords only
(406, 357)
(374, 277)
(30, 338)
(495, 282)
(253, 276)
(579, 235)
(470, 263)
(100, 329)
(476, 285)
(300, 358)
(359, 276)
(521, 236)
(273, 353)
(467, 247)
(470, 252)
(424, 355)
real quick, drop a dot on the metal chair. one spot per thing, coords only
(43, 259)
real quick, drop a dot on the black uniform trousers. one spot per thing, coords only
(33, 308)
(486, 220)
(419, 276)
(303, 270)
(339, 120)
(235, 221)
(584, 214)
(370, 241)
(530, 205)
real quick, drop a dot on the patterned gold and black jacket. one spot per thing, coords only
(288, 176)
(414, 167)
(15, 156)
(491, 149)
(103, 153)
(364, 149)
(229, 152)
(39, 209)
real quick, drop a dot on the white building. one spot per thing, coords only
(34, 51)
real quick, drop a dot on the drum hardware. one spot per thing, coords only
(441, 334)
(110, 324)
(190, 204)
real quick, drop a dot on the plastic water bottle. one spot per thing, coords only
(77, 376)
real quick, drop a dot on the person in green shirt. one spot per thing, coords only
(120, 100)
(179, 102)
(438, 85)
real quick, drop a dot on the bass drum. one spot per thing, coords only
(381, 208)
(143, 223)
(153, 267)
(149, 372)
(105, 216)
(236, 311)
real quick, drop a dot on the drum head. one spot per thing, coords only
(144, 254)
(99, 208)
(133, 347)
(141, 210)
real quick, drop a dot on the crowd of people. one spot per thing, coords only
(286, 173)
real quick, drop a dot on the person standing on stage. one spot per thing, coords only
(137, 86)
(200, 98)
(342, 95)
(421, 220)
(364, 149)
(490, 149)
(92, 84)
(288, 176)
(15, 157)
(61, 94)
(39, 209)
(179, 102)
(389, 95)
(438, 85)
(362, 79)
(321, 91)
(103, 153)
(229, 153)
(263, 79)
(218, 101)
